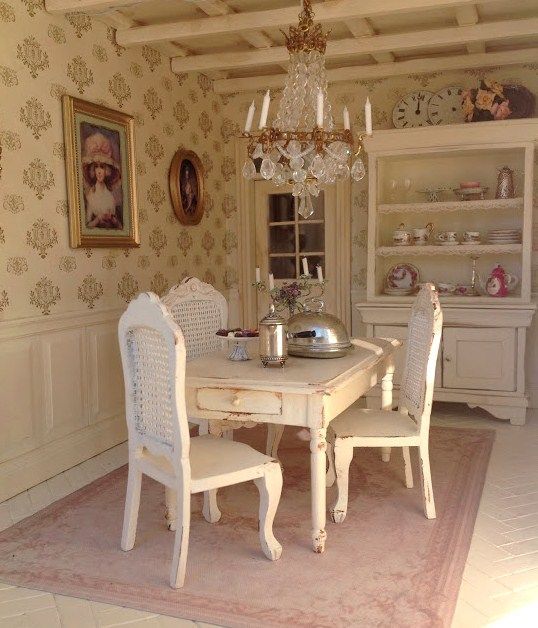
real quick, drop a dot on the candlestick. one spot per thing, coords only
(271, 281)
(258, 275)
(265, 109)
(319, 109)
(250, 117)
(347, 125)
(320, 273)
(305, 267)
(368, 116)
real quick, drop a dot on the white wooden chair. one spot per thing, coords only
(409, 426)
(153, 357)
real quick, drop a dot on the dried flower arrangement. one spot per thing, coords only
(493, 101)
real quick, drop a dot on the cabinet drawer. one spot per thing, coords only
(242, 401)
(400, 333)
(480, 358)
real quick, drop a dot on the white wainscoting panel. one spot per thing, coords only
(61, 398)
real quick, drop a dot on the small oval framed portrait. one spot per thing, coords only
(187, 187)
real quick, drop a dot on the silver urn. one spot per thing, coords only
(505, 183)
(313, 333)
(273, 340)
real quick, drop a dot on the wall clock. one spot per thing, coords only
(445, 106)
(412, 110)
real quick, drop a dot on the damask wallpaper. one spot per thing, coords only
(384, 94)
(44, 56)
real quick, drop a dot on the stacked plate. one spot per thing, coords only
(504, 236)
(399, 292)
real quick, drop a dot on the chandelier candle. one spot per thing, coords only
(301, 148)
(368, 116)
(250, 117)
(305, 267)
(258, 275)
(320, 273)
(271, 281)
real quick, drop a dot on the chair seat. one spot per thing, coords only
(216, 459)
(362, 423)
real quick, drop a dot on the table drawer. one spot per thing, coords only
(242, 401)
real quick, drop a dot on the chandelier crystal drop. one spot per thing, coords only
(302, 148)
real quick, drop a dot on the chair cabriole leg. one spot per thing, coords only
(274, 436)
(181, 541)
(210, 509)
(269, 487)
(331, 473)
(343, 453)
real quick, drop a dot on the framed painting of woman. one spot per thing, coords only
(100, 174)
(187, 187)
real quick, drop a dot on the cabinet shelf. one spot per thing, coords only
(448, 206)
(457, 249)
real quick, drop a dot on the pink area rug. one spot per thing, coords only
(386, 564)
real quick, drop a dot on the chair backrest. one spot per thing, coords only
(423, 338)
(153, 359)
(200, 310)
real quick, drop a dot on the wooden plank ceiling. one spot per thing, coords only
(240, 45)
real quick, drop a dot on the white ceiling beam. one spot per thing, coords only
(383, 70)
(331, 11)
(376, 44)
(362, 28)
(87, 6)
(467, 16)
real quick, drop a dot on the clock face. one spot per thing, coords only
(445, 106)
(412, 110)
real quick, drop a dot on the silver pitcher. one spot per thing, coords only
(273, 339)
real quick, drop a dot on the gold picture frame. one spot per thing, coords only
(100, 171)
(186, 178)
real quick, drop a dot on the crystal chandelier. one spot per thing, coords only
(303, 148)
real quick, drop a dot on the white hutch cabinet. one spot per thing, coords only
(482, 356)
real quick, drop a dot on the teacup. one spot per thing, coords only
(471, 237)
(465, 290)
(422, 235)
(401, 236)
(446, 288)
(447, 237)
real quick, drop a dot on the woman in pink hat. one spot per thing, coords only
(101, 172)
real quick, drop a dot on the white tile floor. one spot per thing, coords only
(500, 583)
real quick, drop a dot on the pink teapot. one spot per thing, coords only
(499, 283)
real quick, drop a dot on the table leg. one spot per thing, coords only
(318, 447)
(386, 403)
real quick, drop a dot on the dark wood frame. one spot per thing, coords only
(175, 194)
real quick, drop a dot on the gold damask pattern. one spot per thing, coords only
(57, 34)
(17, 265)
(157, 240)
(33, 6)
(44, 295)
(38, 177)
(7, 14)
(159, 284)
(80, 22)
(9, 76)
(33, 56)
(41, 237)
(156, 195)
(35, 117)
(127, 287)
(68, 263)
(154, 149)
(79, 72)
(90, 291)
(153, 102)
(4, 300)
(13, 203)
(152, 57)
(119, 88)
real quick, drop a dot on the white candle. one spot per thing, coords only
(320, 273)
(250, 117)
(271, 281)
(368, 116)
(258, 276)
(347, 125)
(319, 109)
(265, 110)
(305, 267)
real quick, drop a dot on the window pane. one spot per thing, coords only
(282, 267)
(311, 237)
(282, 239)
(281, 208)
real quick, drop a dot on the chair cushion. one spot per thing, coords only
(364, 423)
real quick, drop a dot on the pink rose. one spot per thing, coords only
(502, 111)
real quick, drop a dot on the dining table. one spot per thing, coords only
(306, 392)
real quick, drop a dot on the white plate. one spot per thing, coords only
(403, 276)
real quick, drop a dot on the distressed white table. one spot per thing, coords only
(306, 392)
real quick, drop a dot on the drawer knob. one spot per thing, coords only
(236, 400)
